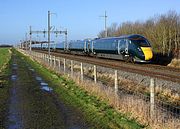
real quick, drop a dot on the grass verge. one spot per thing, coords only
(5, 56)
(97, 112)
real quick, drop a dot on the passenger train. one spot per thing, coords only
(133, 48)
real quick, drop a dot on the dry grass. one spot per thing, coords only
(175, 63)
(124, 103)
(165, 94)
(168, 95)
(137, 107)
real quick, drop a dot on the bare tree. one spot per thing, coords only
(163, 31)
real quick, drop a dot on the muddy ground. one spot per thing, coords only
(34, 105)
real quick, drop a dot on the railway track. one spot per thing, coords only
(155, 71)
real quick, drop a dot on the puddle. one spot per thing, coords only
(44, 84)
(46, 88)
(38, 78)
(13, 77)
(14, 117)
(14, 66)
(31, 69)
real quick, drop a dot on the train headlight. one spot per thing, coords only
(139, 49)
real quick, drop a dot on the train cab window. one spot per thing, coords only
(141, 42)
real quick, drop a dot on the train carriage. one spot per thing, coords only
(61, 46)
(44, 46)
(134, 48)
(109, 45)
(76, 45)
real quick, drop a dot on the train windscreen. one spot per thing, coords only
(141, 42)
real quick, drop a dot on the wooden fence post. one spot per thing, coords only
(95, 74)
(81, 71)
(64, 65)
(71, 68)
(50, 61)
(54, 62)
(41, 57)
(116, 82)
(45, 58)
(59, 64)
(152, 87)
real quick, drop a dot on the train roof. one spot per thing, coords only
(132, 36)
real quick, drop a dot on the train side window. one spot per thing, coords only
(114, 44)
(122, 44)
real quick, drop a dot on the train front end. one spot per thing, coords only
(142, 49)
(148, 54)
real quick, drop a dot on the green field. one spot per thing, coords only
(5, 55)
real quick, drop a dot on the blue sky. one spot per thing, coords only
(80, 17)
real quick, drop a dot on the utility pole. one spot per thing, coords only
(26, 42)
(48, 32)
(105, 23)
(65, 46)
(30, 38)
(49, 29)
